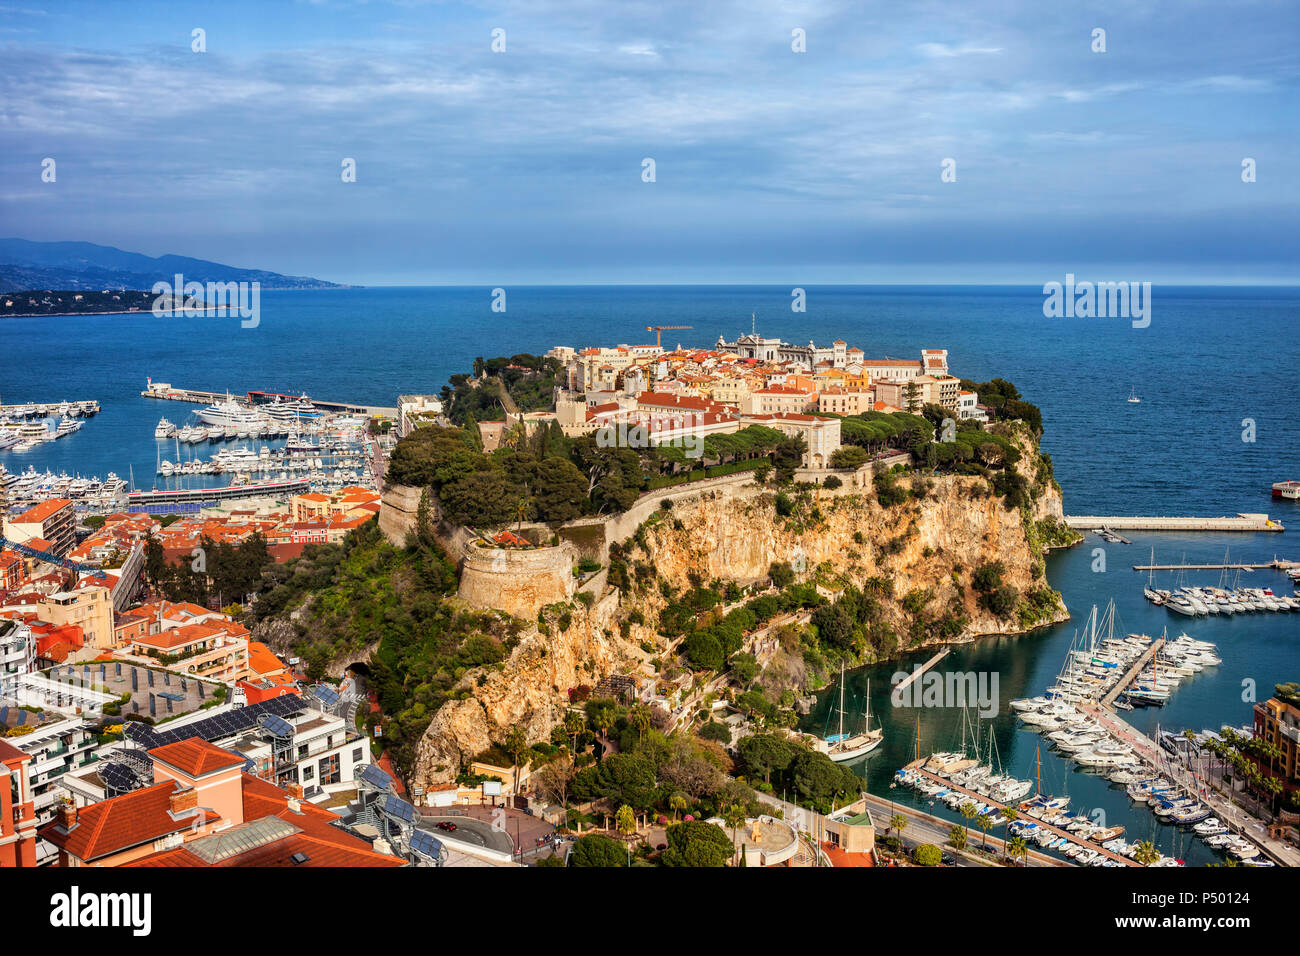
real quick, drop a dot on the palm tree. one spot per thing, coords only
(574, 724)
(985, 822)
(957, 837)
(898, 823)
(677, 803)
(640, 718)
(1017, 849)
(734, 817)
(1146, 853)
(967, 811)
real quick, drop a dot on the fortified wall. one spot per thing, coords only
(518, 581)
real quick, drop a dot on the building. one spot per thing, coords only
(214, 650)
(52, 521)
(1277, 722)
(89, 606)
(55, 747)
(779, 400)
(17, 814)
(13, 570)
(202, 810)
(821, 435)
(415, 411)
(838, 400)
(773, 350)
(17, 654)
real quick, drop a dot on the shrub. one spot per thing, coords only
(927, 854)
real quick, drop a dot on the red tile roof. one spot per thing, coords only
(195, 757)
(120, 823)
(46, 509)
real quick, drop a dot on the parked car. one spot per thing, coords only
(444, 825)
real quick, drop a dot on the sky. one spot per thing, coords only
(527, 165)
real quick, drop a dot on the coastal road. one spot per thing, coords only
(925, 828)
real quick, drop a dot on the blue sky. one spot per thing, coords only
(772, 166)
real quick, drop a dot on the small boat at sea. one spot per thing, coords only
(1132, 397)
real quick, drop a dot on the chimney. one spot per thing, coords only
(294, 790)
(183, 800)
(67, 816)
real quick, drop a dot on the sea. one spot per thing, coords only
(1217, 424)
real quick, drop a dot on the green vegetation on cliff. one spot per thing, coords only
(344, 598)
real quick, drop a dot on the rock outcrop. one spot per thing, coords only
(529, 690)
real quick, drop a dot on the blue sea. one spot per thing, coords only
(1215, 367)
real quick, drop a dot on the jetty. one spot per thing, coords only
(195, 396)
(907, 681)
(1277, 564)
(1074, 838)
(1241, 522)
(1131, 674)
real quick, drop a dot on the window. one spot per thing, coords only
(356, 755)
(307, 772)
(302, 751)
(329, 769)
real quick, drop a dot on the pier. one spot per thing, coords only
(1241, 522)
(1277, 564)
(980, 798)
(907, 681)
(86, 407)
(1131, 674)
(194, 396)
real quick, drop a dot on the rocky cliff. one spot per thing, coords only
(528, 690)
(928, 547)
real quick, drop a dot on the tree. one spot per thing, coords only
(967, 811)
(596, 849)
(733, 815)
(484, 498)
(695, 843)
(834, 626)
(764, 753)
(1017, 849)
(559, 490)
(625, 820)
(927, 854)
(985, 822)
(957, 837)
(554, 779)
(1146, 853)
(850, 456)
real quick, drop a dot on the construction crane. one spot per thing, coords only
(658, 330)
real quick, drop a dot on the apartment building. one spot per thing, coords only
(52, 521)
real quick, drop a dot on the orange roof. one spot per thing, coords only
(262, 659)
(117, 824)
(314, 837)
(195, 757)
(179, 636)
(46, 509)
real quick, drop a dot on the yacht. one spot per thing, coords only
(165, 429)
(1132, 397)
(230, 413)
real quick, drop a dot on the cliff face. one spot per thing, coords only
(918, 544)
(528, 690)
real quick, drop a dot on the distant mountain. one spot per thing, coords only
(85, 266)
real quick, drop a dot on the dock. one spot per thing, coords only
(907, 681)
(86, 407)
(1277, 564)
(1131, 674)
(196, 396)
(1240, 522)
(980, 798)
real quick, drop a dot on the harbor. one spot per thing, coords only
(1240, 522)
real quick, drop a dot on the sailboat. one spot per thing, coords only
(1152, 595)
(1132, 397)
(842, 746)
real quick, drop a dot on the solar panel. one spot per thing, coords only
(325, 694)
(275, 725)
(426, 844)
(119, 777)
(399, 809)
(376, 777)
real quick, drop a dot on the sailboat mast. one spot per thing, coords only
(841, 701)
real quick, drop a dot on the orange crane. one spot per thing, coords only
(658, 330)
